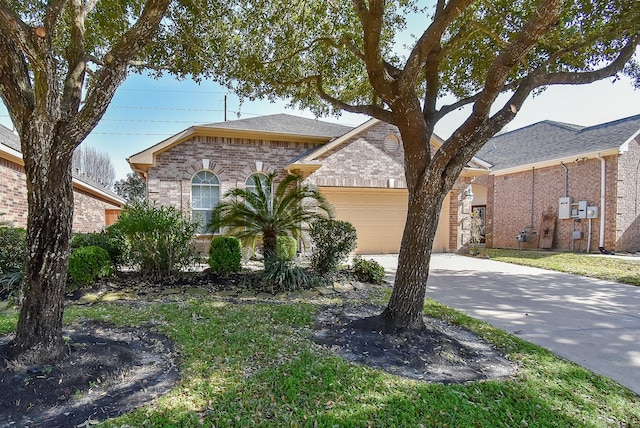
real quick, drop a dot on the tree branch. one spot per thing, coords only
(431, 38)
(15, 85)
(114, 70)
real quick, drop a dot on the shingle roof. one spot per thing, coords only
(285, 124)
(9, 138)
(547, 140)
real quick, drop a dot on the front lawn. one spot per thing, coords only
(254, 364)
(625, 270)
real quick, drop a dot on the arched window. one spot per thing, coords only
(250, 183)
(205, 195)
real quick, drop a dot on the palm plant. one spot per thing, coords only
(262, 212)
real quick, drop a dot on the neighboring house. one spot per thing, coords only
(94, 206)
(359, 170)
(586, 179)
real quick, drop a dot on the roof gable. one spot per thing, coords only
(276, 127)
(547, 141)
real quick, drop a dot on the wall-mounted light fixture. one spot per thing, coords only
(468, 193)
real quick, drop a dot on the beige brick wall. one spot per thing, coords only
(510, 204)
(627, 213)
(363, 161)
(231, 159)
(89, 212)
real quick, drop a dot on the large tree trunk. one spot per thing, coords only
(405, 308)
(48, 169)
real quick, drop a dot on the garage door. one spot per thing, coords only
(379, 216)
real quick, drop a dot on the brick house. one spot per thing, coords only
(359, 170)
(94, 206)
(586, 179)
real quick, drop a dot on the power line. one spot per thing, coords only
(165, 108)
(171, 90)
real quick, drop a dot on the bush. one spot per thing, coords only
(158, 240)
(111, 243)
(368, 270)
(283, 275)
(13, 250)
(287, 247)
(86, 264)
(225, 255)
(333, 241)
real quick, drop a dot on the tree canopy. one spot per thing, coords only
(61, 62)
(486, 55)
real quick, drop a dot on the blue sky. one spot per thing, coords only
(146, 111)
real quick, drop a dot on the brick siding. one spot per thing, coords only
(89, 212)
(627, 214)
(233, 160)
(363, 161)
(509, 204)
(13, 194)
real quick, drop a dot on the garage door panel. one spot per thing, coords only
(379, 216)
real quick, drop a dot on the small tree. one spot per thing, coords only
(264, 212)
(94, 164)
(132, 189)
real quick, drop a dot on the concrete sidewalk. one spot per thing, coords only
(592, 322)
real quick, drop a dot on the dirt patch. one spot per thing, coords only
(443, 353)
(109, 371)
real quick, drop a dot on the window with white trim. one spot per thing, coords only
(205, 195)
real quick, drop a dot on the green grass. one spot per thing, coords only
(626, 271)
(255, 365)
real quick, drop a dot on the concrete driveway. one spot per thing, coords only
(591, 322)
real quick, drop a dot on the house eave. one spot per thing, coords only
(141, 162)
(15, 156)
(474, 172)
(97, 193)
(556, 161)
(11, 155)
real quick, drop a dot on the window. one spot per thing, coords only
(250, 183)
(205, 195)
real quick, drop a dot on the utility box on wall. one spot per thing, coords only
(592, 212)
(564, 208)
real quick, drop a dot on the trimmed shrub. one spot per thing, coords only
(225, 254)
(86, 264)
(287, 247)
(283, 275)
(368, 270)
(333, 241)
(13, 250)
(111, 243)
(158, 240)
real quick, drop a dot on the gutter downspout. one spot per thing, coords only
(602, 201)
(566, 179)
